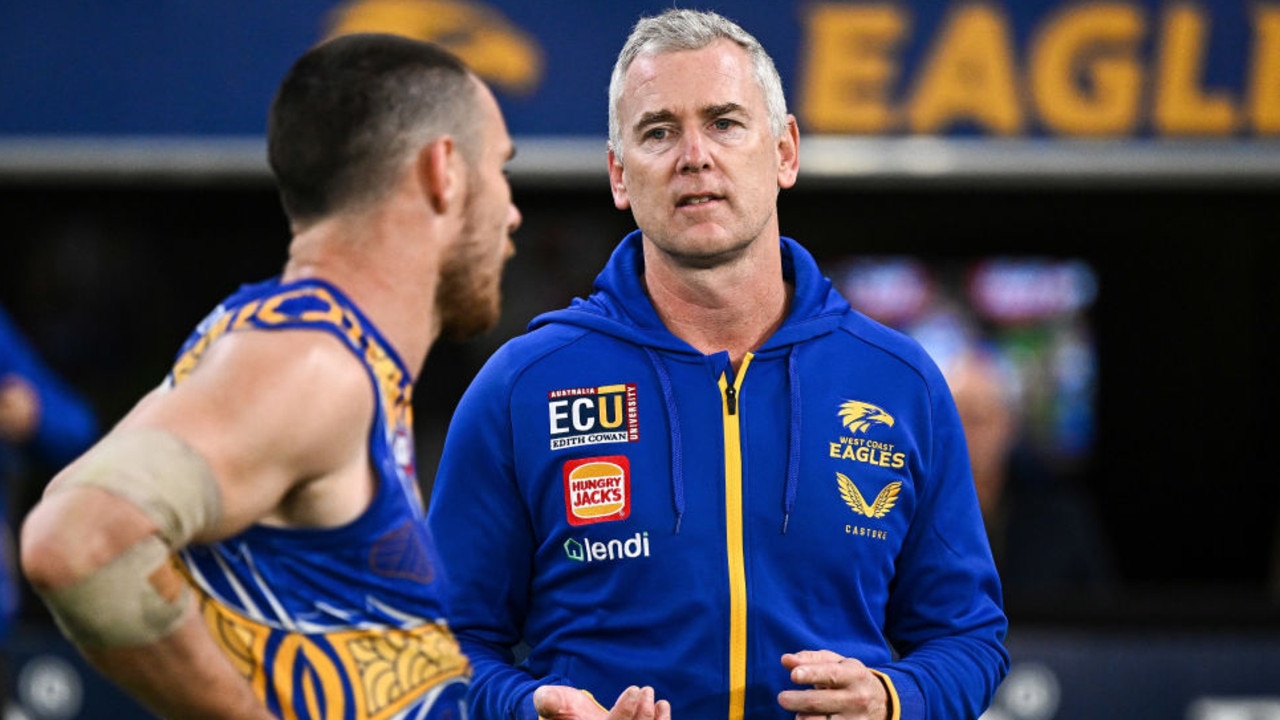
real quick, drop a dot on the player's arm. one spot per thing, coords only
(264, 417)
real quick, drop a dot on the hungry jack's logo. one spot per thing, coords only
(597, 489)
(593, 415)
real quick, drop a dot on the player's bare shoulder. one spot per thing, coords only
(283, 416)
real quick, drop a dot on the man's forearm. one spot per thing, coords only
(184, 676)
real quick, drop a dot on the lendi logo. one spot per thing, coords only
(587, 550)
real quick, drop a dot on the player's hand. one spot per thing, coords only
(842, 688)
(559, 702)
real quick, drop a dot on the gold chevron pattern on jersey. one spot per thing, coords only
(324, 309)
(388, 669)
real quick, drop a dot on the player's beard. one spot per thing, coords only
(469, 296)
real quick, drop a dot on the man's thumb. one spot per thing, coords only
(547, 701)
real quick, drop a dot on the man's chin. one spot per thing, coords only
(705, 247)
(477, 319)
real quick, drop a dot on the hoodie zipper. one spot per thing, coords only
(734, 541)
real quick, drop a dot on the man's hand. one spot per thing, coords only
(559, 702)
(843, 688)
(19, 409)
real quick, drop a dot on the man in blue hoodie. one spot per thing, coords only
(712, 476)
(44, 422)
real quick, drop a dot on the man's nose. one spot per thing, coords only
(694, 154)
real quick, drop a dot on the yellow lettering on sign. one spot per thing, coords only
(1084, 70)
(1108, 68)
(971, 76)
(850, 67)
(1181, 108)
(1264, 84)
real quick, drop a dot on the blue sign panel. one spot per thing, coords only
(1052, 68)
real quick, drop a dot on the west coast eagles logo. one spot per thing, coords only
(858, 416)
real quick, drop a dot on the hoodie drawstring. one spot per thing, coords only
(677, 451)
(793, 446)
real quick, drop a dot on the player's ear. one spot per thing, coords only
(438, 169)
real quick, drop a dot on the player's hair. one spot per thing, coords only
(682, 29)
(353, 109)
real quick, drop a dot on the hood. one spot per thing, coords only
(619, 305)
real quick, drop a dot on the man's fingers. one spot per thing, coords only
(634, 703)
(558, 702)
(822, 668)
(808, 703)
(807, 657)
(561, 701)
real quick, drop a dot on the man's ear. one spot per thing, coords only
(438, 169)
(616, 184)
(789, 154)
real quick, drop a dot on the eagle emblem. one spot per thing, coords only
(858, 416)
(486, 40)
(885, 501)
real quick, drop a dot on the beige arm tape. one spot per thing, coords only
(138, 597)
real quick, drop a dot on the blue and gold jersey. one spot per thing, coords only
(344, 623)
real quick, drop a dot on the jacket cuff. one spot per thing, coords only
(904, 694)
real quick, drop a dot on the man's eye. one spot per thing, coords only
(723, 124)
(656, 134)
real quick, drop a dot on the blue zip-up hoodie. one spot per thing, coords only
(624, 510)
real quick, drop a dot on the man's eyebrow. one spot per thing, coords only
(715, 111)
(654, 118)
(711, 111)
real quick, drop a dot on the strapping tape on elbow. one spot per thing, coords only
(139, 596)
(136, 599)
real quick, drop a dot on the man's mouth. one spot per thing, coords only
(693, 200)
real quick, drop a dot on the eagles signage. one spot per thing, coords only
(1068, 68)
(1031, 68)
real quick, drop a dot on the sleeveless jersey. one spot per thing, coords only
(345, 623)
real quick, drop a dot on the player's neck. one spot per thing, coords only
(391, 280)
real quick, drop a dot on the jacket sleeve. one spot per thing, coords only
(946, 617)
(482, 530)
(68, 424)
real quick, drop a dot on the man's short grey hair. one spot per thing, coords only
(679, 29)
